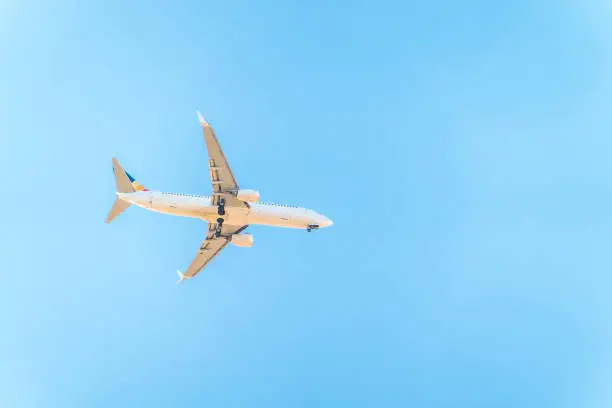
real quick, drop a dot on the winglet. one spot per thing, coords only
(203, 121)
(182, 277)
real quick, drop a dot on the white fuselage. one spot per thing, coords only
(195, 206)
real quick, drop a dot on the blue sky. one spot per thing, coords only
(462, 150)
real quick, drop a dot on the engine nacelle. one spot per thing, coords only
(250, 196)
(242, 240)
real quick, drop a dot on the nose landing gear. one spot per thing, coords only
(311, 227)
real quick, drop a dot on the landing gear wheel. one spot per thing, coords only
(219, 227)
(221, 206)
(311, 227)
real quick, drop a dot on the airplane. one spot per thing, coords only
(228, 211)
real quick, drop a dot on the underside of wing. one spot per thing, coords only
(224, 184)
(211, 247)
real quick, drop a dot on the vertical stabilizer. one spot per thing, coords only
(124, 185)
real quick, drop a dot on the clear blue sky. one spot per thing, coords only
(463, 150)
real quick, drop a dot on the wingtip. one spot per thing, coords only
(182, 277)
(203, 121)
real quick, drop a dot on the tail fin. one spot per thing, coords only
(124, 185)
(136, 185)
(123, 180)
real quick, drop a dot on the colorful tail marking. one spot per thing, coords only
(137, 185)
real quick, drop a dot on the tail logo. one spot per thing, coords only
(137, 186)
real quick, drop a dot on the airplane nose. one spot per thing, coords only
(326, 222)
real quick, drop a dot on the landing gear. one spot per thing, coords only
(219, 227)
(311, 227)
(221, 206)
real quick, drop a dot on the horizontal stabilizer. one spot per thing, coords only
(119, 207)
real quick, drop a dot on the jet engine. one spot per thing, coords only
(242, 240)
(250, 196)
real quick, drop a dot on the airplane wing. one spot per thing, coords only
(224, 184)
(210, 248)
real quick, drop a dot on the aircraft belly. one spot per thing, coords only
(180, 207)
(233, 215)
(275, 220)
